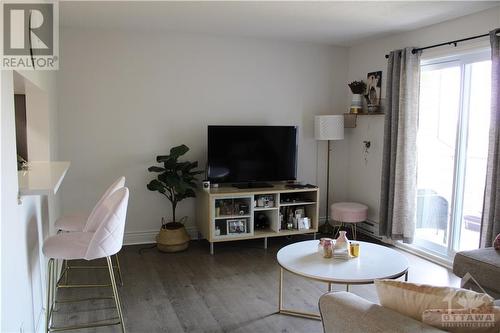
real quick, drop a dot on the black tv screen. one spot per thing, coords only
(244, 154)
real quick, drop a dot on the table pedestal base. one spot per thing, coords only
(294, 313)
(304, 314)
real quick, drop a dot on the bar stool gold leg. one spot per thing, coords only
(62, 281)
(66, 271)
(115, 293)
(119, 270)
(52, 279)
(50, 286)
(54, 284)
(353, 232)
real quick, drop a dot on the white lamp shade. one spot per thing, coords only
(329, 127)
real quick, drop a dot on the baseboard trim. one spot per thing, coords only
(148, 237)
(139, 237)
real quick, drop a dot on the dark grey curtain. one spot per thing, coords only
(490, 226)
(399, 167)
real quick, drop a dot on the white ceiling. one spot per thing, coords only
(337, 23)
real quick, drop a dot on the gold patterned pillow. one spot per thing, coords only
(413, 299)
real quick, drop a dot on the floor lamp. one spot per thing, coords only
(328, 128)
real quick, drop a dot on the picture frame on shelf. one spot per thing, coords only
(236, 227)
(373, 90)
(304, 223)
(264, 201)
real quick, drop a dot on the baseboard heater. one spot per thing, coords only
(370, 228)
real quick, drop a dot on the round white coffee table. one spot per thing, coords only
(375, 262)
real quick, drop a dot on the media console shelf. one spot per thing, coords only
(229, 214)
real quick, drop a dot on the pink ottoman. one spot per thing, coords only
(348, 212)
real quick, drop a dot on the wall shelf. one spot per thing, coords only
(351, 118)
(260, 209)
(301, 203)
(365, 114)
(227, 217)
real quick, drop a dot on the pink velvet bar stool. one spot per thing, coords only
(348, 213)
(76, 222)
(102, 237)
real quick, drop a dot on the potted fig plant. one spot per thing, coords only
(176, 180)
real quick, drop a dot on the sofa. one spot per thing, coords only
(346, 312)
(483, 266)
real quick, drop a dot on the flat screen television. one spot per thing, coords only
(250, 154)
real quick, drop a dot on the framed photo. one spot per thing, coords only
(373, 88)
(304, 223)
(236, 227)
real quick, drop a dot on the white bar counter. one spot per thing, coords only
(41, 182)
(42, 178)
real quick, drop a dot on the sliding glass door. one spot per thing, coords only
(452, 146)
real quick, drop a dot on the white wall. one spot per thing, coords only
(21, 289)
(362, 181)
(126, 97)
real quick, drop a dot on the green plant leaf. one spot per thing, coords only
(169, 178)
(189, 193)
(155, 185)
(155, 169)
(170, 163)
(182, 166)
(162, 158)
(188, 166)
(179, 150)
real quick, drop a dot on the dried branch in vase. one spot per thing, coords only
(357, 87)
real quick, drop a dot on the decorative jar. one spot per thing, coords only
(327, 248)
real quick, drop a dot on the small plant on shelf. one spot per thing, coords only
(357, 87)
(176, 180)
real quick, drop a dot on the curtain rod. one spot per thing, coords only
(454, 42)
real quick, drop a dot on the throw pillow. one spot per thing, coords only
(496, 243)
(413, 299)
(479, 320)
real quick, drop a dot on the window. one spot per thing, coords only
(452, 145)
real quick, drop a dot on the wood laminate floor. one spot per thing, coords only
(236, 290)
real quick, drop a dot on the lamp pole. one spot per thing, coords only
(327, 128)
(328, 183)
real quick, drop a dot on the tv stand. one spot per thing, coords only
(252, 185)
(231, 214)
